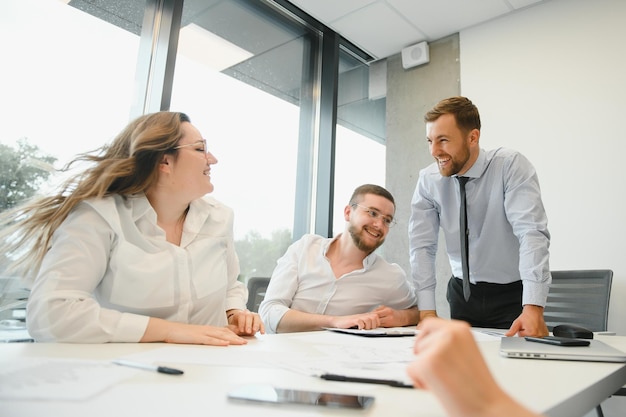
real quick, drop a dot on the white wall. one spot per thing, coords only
(549, 81)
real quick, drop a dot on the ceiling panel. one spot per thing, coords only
(384, 27)
(444, 17)
(327, 11)
(378, 29)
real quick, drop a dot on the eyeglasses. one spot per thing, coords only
(196, 143)
(375, 215)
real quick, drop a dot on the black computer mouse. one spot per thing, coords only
(571, 330)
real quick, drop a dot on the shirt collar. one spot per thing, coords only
(141, 207)
(477, 169)
(145, 217)
(367, 262)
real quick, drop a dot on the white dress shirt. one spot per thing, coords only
(508, 227)
(109, 269)
(303, 280)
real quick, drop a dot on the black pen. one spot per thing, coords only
(390, 382)
(154, 368)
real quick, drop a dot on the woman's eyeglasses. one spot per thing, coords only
(201, 144)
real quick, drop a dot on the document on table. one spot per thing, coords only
(58, 379)
(378, 332)
(374, 358)
(246, 356)
(486, 335)
(392, 371)
(327, 352)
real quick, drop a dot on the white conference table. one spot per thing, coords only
(556, 388)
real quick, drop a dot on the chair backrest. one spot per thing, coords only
(256, 292)
(579, 297)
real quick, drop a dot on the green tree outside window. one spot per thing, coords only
(23, 170)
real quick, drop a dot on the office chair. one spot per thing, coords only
(256, 292)
(580, 297)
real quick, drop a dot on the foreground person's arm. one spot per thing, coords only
(449, 364)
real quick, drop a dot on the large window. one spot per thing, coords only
(242, 89)
(67, 86)
(66, 77)
(359, 149)
(253, 75)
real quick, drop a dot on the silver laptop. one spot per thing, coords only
(597, 351)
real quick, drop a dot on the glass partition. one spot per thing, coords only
(360, 138)
(67, 83)
(246, 72)
(239, 73)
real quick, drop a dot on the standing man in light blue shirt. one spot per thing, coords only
(508, 237)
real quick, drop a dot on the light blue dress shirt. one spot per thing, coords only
(508, 227)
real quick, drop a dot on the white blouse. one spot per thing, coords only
(110, 268)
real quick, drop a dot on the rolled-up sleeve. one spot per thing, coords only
(281, 289)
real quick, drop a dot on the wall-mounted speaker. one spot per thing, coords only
(415, 55)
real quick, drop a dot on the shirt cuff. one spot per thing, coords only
(274, 316)
(131, 328)
(535, 293)
(426, 300)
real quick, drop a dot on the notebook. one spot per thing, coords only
(597, 351)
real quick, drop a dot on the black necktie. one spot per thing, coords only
(464, 236)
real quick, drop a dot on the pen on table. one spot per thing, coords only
(147, 367)
(342, 378)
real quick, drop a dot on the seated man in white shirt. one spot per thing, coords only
(340, 282)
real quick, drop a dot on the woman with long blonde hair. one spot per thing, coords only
(131, 249)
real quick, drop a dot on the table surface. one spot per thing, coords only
(556, 388)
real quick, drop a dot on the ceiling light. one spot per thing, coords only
(209, 49)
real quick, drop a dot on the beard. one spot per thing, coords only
(456, 164)
(452, 169)
(360, 243)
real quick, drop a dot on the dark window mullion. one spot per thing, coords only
(327, 131)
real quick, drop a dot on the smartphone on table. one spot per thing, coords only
(262, 393)
(558, 341)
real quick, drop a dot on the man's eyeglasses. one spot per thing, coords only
(201, 146)
(375, 215)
